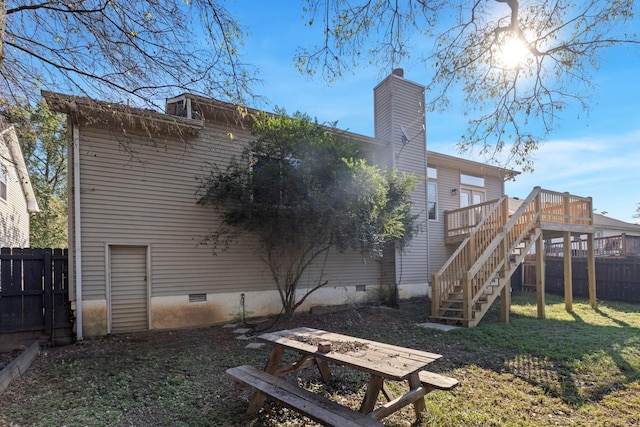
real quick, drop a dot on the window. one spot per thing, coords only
(432, 200)
(432, 172)
(275, 180)
(3, 183)
(476, 181)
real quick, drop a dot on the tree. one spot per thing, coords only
(141, 51)
(637, 214)
(308, 190)
(42, 136)
(558, 44)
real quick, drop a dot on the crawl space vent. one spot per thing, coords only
(197, 297)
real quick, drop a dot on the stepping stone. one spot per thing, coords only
(241, 330)
(440, 326)
(255, 345)
(243, 337)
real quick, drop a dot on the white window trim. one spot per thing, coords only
(435, 184)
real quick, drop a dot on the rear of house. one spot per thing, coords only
(136, 252)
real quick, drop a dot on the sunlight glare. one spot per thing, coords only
(514, 53)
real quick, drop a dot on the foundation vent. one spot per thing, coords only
(197, 297)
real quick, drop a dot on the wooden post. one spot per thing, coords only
(467, 308)
(567, 207)
(505, 236)
(435, 295)
(540, 276)
(505, 302)
(591, 269)
(568, 279)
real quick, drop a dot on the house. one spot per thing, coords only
(17, 199)
(136, 261)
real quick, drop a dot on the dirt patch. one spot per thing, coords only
(7, 357)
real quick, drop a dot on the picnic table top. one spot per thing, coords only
(380, 359)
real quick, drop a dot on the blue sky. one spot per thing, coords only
(593, 154)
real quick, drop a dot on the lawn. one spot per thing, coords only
(571, 369)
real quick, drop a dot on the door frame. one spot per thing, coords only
(107, 263)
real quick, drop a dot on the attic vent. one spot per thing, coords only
(197, 297)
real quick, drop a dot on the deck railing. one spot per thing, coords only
(461, 221)
(565, 208)
(621, 245)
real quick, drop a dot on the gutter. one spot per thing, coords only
(77, 236)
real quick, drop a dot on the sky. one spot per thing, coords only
(594, 154)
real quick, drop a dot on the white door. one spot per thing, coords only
(129, 295)
(469, 197)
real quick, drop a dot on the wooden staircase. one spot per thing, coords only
(481, 267)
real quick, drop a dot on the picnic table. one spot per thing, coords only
(383, 362)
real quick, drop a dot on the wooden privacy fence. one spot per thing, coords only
(617, 279)
(34, 294)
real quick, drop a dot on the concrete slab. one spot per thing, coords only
(254, 345)
(439, 326)
(244, 337)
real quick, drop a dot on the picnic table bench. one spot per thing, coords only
(314, 406)
(318, 348)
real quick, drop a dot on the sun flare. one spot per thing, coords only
(514, 53)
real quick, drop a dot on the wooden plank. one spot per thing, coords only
(371, 395)
(436, 381)
(314, 406)
(381, 359)
(399, 403)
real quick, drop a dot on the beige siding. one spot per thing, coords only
(399, 105)
(140, 192)
(449, 171)
(14, 217)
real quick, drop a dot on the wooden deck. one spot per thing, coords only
(493, 242)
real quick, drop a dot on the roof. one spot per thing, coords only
(10, 138)
(470, 165)
(608, 223)
(219, 110)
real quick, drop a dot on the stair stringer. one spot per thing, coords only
(493, 291)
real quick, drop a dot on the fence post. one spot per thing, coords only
(48, 293)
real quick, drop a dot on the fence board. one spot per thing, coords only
(34, 292)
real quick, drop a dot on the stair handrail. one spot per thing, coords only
(500, 248)
(455, 263)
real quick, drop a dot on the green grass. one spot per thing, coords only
(570, 369)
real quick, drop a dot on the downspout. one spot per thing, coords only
(77, 244)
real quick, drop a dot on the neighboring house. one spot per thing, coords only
(606, 227)
(136, 261)
(17, 199)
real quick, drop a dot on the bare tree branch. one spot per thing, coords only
(565, 40)
(141, 51)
